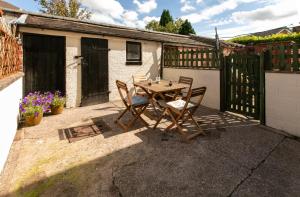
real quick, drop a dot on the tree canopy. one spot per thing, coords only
(186, 28)
(167, 24)
(72, 8)
(165, 18)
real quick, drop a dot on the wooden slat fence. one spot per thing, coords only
(283, 58)
(243, 84)
(10, 50)
(195, 58)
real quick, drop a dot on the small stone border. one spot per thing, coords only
(6, 81)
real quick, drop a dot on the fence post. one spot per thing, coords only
(262, 101)
(222, 67)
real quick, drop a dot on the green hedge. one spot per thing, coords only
(266, 39)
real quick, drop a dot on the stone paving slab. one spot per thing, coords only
(180, 170)
(278, 175)
(246, 145)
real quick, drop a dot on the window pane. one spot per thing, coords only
(133, 51)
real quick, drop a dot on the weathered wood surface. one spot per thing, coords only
(161, 87)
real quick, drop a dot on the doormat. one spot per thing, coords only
(75, 134)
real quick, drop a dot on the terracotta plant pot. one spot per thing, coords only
(32, 120)
(57, 110)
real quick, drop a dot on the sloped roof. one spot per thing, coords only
(44, 21)
(212, 41)
(6, 5)
(296, 29)
(271, 31)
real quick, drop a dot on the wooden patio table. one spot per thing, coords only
(160, 89)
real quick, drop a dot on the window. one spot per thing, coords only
(133, 53)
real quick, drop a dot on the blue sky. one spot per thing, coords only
(231, 17)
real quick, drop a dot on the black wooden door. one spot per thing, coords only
(94, 71)
(243, 84)
(44, 63)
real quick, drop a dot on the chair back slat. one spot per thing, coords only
(195, 96)
(186, 80)
(124, 93)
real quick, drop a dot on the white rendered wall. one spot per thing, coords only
(151, 52)
(283, 102)
(9, 105)
(208, 78)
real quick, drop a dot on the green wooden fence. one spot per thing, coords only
(242, 84)
(195, 58)
(283, 58)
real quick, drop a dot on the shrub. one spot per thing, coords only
(265, 39)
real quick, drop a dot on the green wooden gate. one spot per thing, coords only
(243, 81)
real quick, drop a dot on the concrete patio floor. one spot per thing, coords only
(237, 157)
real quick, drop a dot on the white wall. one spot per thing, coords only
(208, 78)
(283, 102)
(9, 105)
(117, 59)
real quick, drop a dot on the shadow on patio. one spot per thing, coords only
(139, 163)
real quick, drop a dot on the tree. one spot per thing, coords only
(165, 18)
(186, 28)
(72, 9)
(166, 24)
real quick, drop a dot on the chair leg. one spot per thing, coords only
(139, 113)
(159, 119)
(121, 115)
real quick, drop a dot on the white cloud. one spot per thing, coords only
(146, 6)
(211, 11)
(186, 6)
(273, 15)
(130, 15)
(221, 22)
(199, 1)
(147, 19)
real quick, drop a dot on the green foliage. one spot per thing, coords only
(177, 27)
(186, 28)
(58, 100)
(265, 39)
(72, 9)
(171, 27)
(165, 18)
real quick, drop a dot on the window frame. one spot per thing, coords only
(133, 61)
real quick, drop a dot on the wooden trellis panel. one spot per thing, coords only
(196, 58)
(10, 50)
(284, 57)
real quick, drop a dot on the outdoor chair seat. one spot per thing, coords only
(139, 100)
(179, 104)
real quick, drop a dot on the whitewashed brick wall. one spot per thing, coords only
(283, 102)
(208, 78)
(9, 104)
(151, 52)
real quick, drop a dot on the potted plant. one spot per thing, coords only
(58, 103)
(32, 108)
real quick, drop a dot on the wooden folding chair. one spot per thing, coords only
(182, 110)
(185, 80)
(138, 90)
(136, 105)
